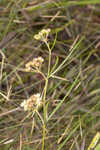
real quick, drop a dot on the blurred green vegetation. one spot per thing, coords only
(73, 92)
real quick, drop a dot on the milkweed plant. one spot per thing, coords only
(37, 100)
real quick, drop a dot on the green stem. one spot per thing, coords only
(44, 97)
(43, 140)
(44, 113)
(49, 63)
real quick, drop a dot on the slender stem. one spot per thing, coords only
(44, 96)
(44, 113)
(43, 140)
(49, 63)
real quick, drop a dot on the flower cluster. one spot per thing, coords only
(35, 63)
(33, 103)
(42, 35)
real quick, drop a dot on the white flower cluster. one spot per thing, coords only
(33, 103)
(35, 63)
(42, 35)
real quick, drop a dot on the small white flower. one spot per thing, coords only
(35, 63)
(24, 104)
(42, 35)
(38, 101)
(33, 103)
